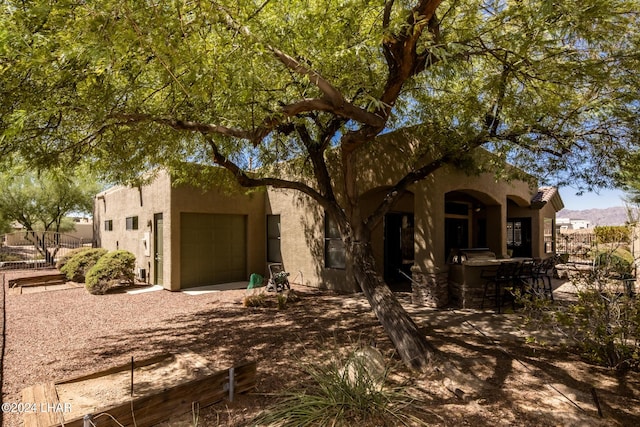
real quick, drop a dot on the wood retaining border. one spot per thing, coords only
(142, 411)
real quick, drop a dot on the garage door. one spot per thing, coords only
(213, 249)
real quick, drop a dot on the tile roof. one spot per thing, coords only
(546, 195)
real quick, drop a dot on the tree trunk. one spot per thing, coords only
(412, 346)
(41, 246)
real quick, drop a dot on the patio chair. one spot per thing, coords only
(542, 273)
(278, 278)
(499, 282)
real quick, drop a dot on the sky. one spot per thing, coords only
(601, 200)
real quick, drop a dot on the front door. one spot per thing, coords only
(398, 249)
(519, 236)
(157, 250)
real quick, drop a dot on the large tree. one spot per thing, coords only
(40, 202)
(129, 85)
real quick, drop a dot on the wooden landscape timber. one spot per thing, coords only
(44, 280)
(153, 399)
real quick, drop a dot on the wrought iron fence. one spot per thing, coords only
(36, 249)
(577, 245)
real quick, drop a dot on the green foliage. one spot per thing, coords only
(119, 83)
(7, 256)
(77, 267)
(612, 234)
(344, 393)
(112, 270)
(618, 261)
(5, 224)
(64, 259)
(603, 324)
(42, 200)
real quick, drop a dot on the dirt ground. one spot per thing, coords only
(64, 333)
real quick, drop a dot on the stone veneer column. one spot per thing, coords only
(430, 289)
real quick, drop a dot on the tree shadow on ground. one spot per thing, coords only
(318, 326)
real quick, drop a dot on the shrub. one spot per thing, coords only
(64, 259)
(618, 261)
(9, 257)
(613, 234)
(603, 324)
(255, 300)
(78, 265)
(345, 393)
(113, 269)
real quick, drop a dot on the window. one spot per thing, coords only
(549, 235)
(333, 246)
(108, 225)
(273, 239)
(132, 223)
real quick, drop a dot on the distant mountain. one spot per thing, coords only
(609, 216)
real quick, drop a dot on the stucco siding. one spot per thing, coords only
(119, 203)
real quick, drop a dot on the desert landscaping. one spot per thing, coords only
(57, 334)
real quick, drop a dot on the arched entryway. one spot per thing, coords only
(393, 239)
(471, 220)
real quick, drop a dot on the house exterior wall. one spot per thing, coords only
(302, 237)
(118, 203)
(430, 198)
(302, 224)
(160, 197)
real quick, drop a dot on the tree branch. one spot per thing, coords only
(246, 181)
(316, 154)
(333, 99)
(401, 186)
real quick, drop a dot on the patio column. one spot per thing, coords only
(497, 229)
(429, 273)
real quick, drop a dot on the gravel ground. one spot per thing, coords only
(56, 335)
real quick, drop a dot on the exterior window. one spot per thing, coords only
(549, 236)
(333, 246)
(108, 225)
(273, 239)
(132, 223)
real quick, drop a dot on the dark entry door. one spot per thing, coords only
(398, 248)
(519, 236)
(158, 250)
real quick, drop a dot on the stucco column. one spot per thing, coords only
(497, 229)
(429, 227)
(430, 285)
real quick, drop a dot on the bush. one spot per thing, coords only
(255, 300)
(613, 234)
(78, 265)
(603, 324)
(345, 393)
(9, 257)
(618, 261)
(113, 269)
(64, 259)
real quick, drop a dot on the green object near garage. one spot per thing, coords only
(255, 281)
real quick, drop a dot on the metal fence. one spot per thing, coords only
(576, 245)
(36, 249)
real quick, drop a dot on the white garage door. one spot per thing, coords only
(213, 249)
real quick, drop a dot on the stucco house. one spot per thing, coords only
(184, 237)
